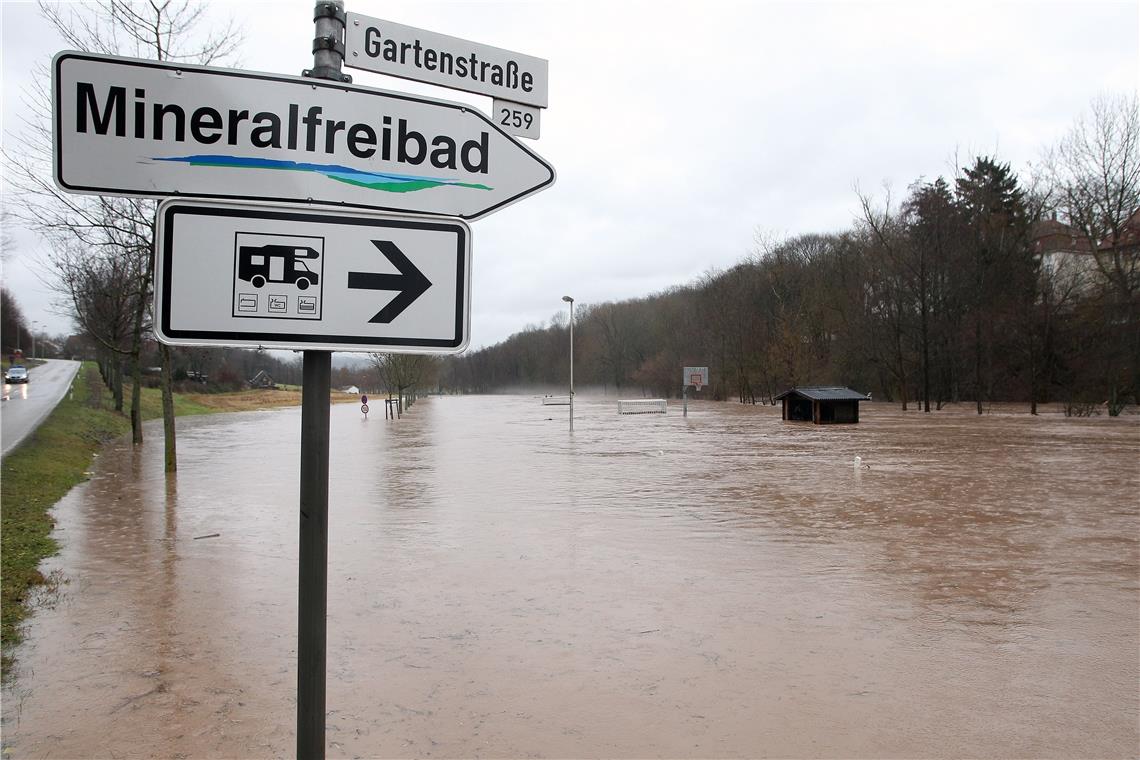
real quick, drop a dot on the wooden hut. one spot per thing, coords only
(821, 404)
(262, 380)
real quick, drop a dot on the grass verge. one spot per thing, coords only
(35, 476)
(57, 456)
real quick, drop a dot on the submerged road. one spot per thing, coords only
(719, 585)
(28, 404)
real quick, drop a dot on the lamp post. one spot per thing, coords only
(35, 325)
(570, 301)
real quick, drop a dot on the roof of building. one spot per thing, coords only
(1129, 233)
(1052, 236)
(824, 393)
(261, 377)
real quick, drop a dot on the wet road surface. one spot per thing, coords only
(26, 405)
(718, 586)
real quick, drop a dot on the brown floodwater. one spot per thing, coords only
(720, 585)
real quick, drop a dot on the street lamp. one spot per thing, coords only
(34, 326)
(570, 301)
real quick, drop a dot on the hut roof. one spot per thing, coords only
(824, 393)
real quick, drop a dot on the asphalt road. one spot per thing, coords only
(26, 405)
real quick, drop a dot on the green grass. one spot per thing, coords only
(50, 462)
(152, 404)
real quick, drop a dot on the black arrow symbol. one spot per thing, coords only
(410, 282)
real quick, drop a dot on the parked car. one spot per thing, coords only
(16, 374)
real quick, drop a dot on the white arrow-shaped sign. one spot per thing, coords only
(133, 127)
(231, 274)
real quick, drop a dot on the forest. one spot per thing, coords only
(983, 287)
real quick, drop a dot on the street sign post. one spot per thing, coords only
(386, 47)
(125, 126)
(232, 274)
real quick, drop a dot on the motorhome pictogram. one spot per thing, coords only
(258, 265)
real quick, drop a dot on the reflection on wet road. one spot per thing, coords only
(26, 405)
(717, 586)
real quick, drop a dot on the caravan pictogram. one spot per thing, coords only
(278, 276)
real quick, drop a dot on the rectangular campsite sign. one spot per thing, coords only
(125, 126)
(299, 278)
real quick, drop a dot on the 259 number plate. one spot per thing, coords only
(517, 119)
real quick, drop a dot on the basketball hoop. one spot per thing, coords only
(697, 381)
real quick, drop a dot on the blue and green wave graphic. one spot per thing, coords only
(388, 183)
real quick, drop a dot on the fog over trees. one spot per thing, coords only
(986, 286)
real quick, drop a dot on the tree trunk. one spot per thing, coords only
(925, 357)
(978, 362)
(136, 393)
(136, 355)
(117, 382)
(1033, 375)
(901, 367)
(170, 448)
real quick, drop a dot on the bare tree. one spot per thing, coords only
(930, 222)
(891, 296)
(104, 226)
(613, 339)
(1095, 171)
(401, 373)
(103, 302)
(7, 239)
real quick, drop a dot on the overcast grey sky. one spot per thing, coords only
(679, 130)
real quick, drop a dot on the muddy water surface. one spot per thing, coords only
(719, 585)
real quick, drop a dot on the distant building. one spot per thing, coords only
(262, 380)
(821, 404)
(1064, 255)
(1129, 238)
(1070, 258)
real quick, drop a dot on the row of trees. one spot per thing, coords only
(984, 287)
(15, 333)
(102, 246)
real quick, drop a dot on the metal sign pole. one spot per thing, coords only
(571, 366)
(312, 588)
(313, 544)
